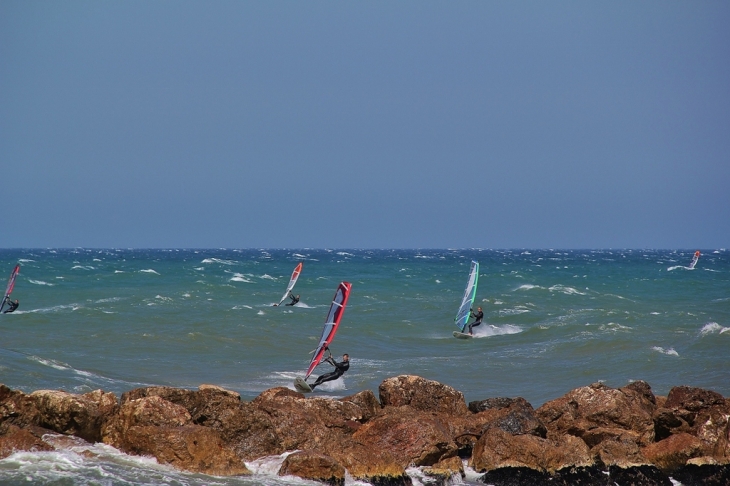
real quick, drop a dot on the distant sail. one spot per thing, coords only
(694, 259)
(11, 284)
(337, 309)
(292, 282)
(469, 293)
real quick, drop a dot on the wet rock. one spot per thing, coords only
(313, 466)
(703, 475)
(421, 394)
(189, 447)
(441, 473)
(515, 476)
(14, 439)
(638, 476)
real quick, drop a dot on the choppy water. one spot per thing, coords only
(554, 320)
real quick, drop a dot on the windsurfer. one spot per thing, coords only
(478, 316)
(294, 299)
(13, 305)
(340, 369)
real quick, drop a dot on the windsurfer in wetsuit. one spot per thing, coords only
(340, 369)
(478, 319)
(294, 299)
(13, 305)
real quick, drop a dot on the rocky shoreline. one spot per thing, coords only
(593, 435)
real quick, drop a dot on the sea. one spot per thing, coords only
(555, 320)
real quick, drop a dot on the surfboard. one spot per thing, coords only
(302, 386)
(462, 315)
(462, 335)
(11, 284)
(292, 282)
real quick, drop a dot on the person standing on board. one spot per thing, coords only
(13, 305)
(294, 300)
(340, 369)
(478, 319)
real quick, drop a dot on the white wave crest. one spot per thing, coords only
(24, 260)
(492, 330)
(529, 287)
(239, 277)
(565, 290)
(40, 282)
(268, 277)
(513, 312)
(669, 352)
(713, 328)
(149, 270)
(82, 267)
(218, 260)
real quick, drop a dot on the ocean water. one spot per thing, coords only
(554, 320)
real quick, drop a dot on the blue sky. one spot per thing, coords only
(410, 124)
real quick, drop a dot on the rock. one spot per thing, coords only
(14, 439)
(422, 394)
(313, 466)
(673, 452)
(703, 475)
(619, 451)
(368, 403)
(409, 436)
(151, 411)
(597, 412)
(79, 415)
(442, 472)
(490, 403)
(499, 449)
(692, 399)
(519, 419)
(188, 447)
(515, 476)
(638, 476)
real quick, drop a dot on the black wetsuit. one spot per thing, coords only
(294, 299)
(478, 316)
(13, 306)
(340, 369)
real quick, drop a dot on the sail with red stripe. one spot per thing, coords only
(337, 309)
(11, 284)
(292, 281)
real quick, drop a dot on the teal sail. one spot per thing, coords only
(469, 293)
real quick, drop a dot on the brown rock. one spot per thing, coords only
(79, 415)
(314, 466)
(673, 452)
(368, 403)
(409, 436)
(614, 411)
(619, 451)
(422, 394)
(190, 448)
(150, 411)
(499, 449)
(14, 439)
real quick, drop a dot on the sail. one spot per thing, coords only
(694, 259)
(330, 324)
(292, 282)
(469, 293)
(11, 284)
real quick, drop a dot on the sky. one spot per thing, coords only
(378, 124)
